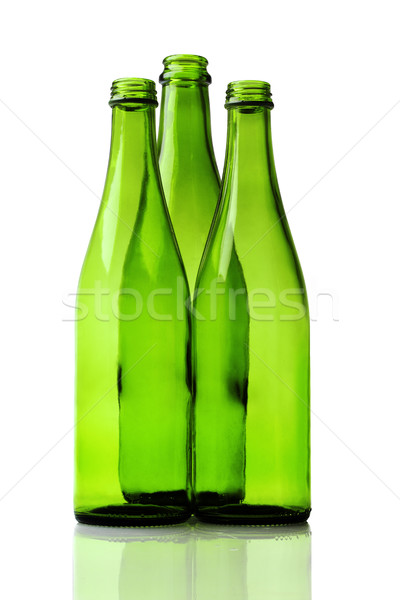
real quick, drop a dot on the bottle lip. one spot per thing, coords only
(128, 90)
(185, 68)
(250, 92)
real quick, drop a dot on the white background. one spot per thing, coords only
(334, 72)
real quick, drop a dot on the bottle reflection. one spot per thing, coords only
(194, 561)
(250, 563)
(126, 564)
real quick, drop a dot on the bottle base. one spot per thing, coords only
(128, 515)
(247, 514)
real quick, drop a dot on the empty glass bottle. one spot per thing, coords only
(132, 338)
(251, 338)
(188, 169)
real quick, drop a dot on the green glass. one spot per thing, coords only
(251, 339)
(187, 163)
(133, 396)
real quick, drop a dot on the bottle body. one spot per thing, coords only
(251, 340)
(188, 169)
(123, 341)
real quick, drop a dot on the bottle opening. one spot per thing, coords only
(181, 68)
(133, 89)
(253, 93)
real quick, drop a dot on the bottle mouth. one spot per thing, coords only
(185, 68)
(133, 89)
(253, 93)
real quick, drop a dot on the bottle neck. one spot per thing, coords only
(133, 137)
(249, 157)
(132, 163)
(185, 120)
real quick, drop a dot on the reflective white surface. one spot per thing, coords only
(192, 562)
(354, 550)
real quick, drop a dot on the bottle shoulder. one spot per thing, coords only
(130, 227)
(252, 243)
(107, 247)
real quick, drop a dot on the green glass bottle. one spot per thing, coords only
(251, 339)
(188, 169)
(132, 338)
